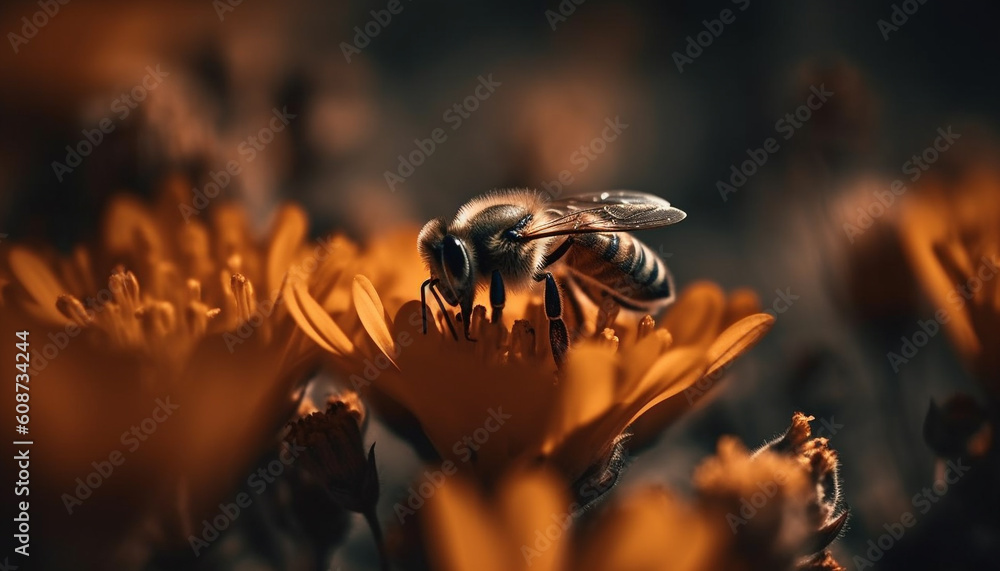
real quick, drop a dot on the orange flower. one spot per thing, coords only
(499, 401)
(652, 529)
(781, 503)
(184, 365)
(700, 315)
(952, 238)
(529, 522)
(468, 531)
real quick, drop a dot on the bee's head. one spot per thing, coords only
(451, 261)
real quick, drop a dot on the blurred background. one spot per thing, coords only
(373, 120)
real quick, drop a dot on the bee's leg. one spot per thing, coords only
(423, 302)
(498, 297)
(558, 336)
(553, 256)
(432, 285)
(444, 310)
(466, 318)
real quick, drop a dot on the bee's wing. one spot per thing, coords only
(609, 211)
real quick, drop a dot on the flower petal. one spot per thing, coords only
(921, 223)
(736, 340)
(636, 360)
(587, 390)
(41, 284)
(461, 532)
(290, 228)
(373, 316)
(650, 529)
(531, 502)
(697, 315)
(313, 320)
(742, 302)
(670, 374)
(130, 228)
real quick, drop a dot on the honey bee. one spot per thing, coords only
(513, 238)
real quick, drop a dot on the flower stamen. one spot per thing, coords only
(246, 303)
(124, 289)
(71, 307)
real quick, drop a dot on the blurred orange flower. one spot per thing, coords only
(529, 522)
(190, 316)
(951, 233)
(782, 503)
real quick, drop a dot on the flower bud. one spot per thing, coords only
(335, 456)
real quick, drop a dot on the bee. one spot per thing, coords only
(514, 238)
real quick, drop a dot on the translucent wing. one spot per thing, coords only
(609, 211)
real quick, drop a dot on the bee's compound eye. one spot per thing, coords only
(455, 260)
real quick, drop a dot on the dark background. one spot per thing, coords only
(780, 231)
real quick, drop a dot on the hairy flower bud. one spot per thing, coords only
(782, 502)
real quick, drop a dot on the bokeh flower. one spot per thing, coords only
(782, 503)
(159, 312)
(528, 521)
(951, 235)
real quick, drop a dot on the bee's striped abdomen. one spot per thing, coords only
(618, 264)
